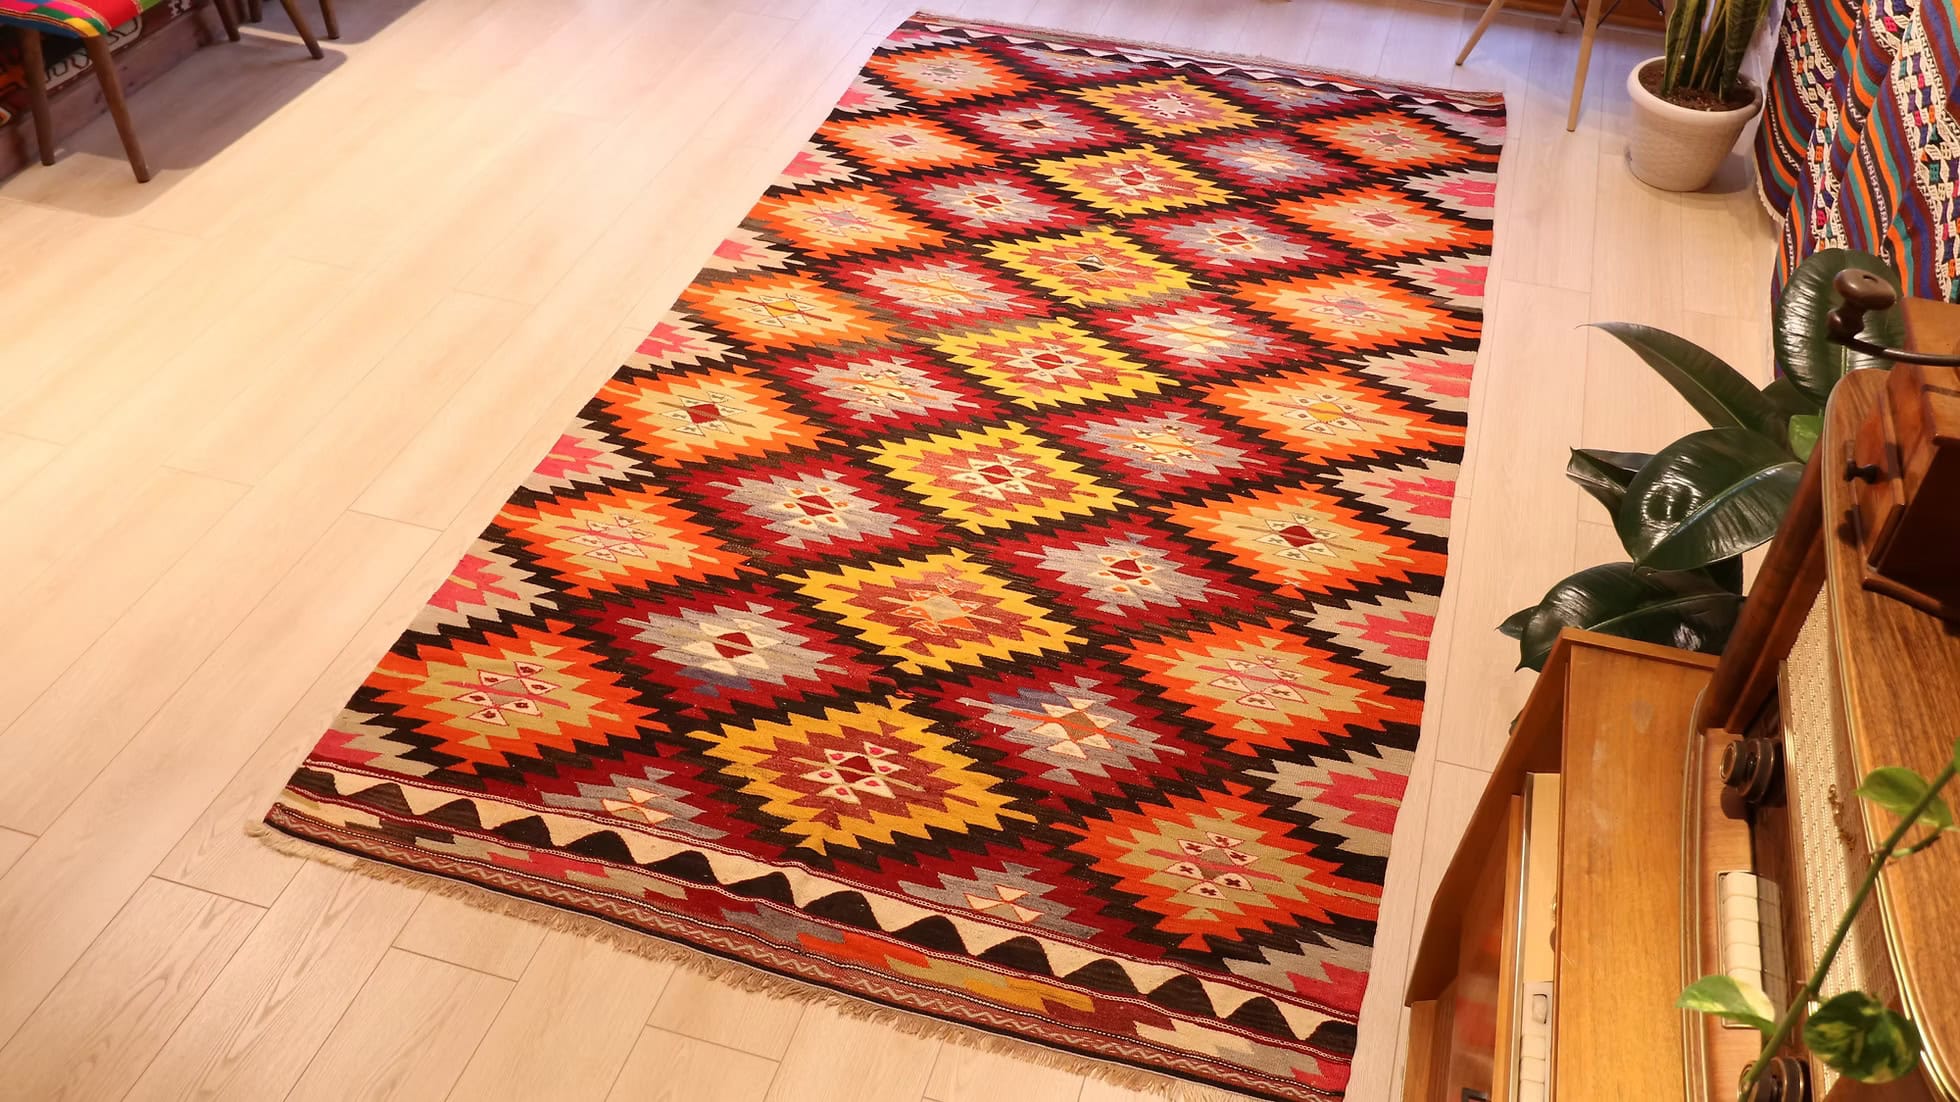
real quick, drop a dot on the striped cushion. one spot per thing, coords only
(79, 18)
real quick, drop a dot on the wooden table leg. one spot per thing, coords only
(228, 17)
(112, 91)
(1490, 13)
(36, 64)
(1585, 61)
(330, 18)
(304, 28)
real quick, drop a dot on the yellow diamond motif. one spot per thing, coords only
(871, 772)
(1168, 108)
(1050, 363)
(995, 478)
(1131, 181)
(1090, 268)
(937, 612)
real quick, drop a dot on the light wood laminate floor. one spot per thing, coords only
(357, 303)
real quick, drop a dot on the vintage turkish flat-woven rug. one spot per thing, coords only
(1000, 589)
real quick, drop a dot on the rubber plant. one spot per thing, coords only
(1850, 1031)
(1686, 513)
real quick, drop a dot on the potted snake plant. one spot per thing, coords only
(1692, 102)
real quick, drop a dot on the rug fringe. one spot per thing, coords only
(1481, 98)
(739, 975)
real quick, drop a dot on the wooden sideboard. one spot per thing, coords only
(1612, 717)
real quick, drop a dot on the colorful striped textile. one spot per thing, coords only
(73, 17)
(1860, 143)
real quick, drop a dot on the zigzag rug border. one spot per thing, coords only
(736, 973)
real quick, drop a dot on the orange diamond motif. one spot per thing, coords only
(1131, 181)
(902, 143)
(1217, 867)
(1327, 414)
(605, 540)
(1379, 221)
(776, 311)
(1262, 686)
(507, 697)
(1354, 311)
(843, 221)
(1303, 539)
(685, 418)
(1389, 140)
(944, 76)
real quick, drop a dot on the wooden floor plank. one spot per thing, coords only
(256, 1029)
(124, 998)
(577, 995)
(406, 1036)
(706, 1009)
(475, 937)
(665, 1067)
(837, 1056)
(963, 1074)
(68, 886)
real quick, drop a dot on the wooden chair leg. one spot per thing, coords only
(330, 18)
(112, 91)
(1490, 13)
(1585, 61)
(254, 10)
(228, 17)
(303, 27)
(36, 64)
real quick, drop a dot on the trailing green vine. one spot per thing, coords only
(1852, 1032)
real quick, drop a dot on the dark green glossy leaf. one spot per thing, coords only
(1729, 998)
(1514, 624)
(1708, 496)
(1726, 573)
(1717, 391)
(1804, 352)
(1603, 474)
(1804, 429)
(1685, 610)
(1898, 790)
(1788, 400)
(1862, 1038)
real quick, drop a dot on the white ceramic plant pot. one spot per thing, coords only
(1679, 148)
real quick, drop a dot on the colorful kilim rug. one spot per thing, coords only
(1000, 589)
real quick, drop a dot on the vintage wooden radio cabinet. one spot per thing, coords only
(1705, 817)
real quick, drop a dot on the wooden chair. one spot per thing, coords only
(1586, 37)
(91, 21)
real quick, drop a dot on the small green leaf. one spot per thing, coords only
(1514, 624)
(1729, 998)
(1605, 475)
(1862, 1038)
(1804, 429)
(1898, 790)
